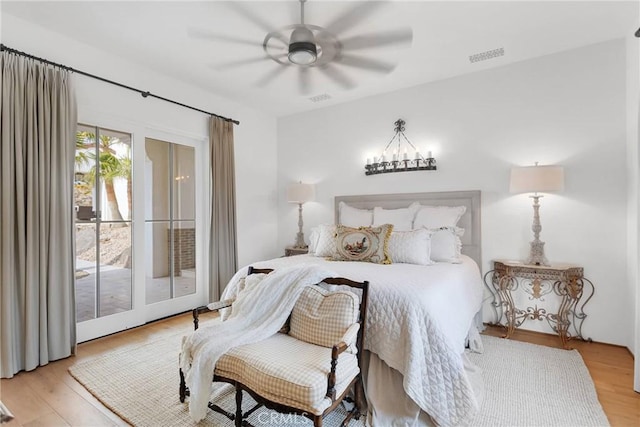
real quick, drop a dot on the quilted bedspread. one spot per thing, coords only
(417, 321)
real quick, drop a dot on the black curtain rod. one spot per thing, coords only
(144, 94)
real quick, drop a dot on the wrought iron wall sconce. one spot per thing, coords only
(384, 165)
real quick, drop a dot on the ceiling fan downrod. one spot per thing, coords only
(302, 46)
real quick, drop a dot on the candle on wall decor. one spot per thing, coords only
(399, 159)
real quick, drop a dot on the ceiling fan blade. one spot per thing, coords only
(255, 19)
(366, 63)
(353, 16)
(209, 35)
(239, 63)
(303, 80)
(402, 36)
(267, 78)
(337, 76)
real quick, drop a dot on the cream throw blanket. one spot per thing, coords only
(259, 311)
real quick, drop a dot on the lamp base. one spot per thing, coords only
(536, 254)
(300, 241)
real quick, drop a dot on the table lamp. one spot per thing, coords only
(534, 179)
(300, 193)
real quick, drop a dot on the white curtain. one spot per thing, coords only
(37, 127)
(222, 242)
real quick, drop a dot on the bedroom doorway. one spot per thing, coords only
(140, 221)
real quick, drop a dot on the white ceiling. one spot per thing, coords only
(160, 36)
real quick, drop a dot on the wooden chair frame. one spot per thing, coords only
(240, 418)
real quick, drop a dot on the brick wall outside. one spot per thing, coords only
(184, 249)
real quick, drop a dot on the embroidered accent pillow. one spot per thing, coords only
(401, 219)
(321, 317)
(411, 247)
(446, 245)
(366, 244)
(326, 242)
(438, 216)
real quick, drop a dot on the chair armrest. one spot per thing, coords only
(214, 306)
(336, 350)
(219, 305)
(351, 335)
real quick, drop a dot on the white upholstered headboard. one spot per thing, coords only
(470, 221)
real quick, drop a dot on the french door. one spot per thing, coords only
(139, 227)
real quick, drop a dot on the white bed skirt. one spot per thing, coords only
(389, 405)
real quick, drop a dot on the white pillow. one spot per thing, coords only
(314, 235)
(446, 245)
(410, 247)
(438, 216)
(326, 244)
(353, 217)
(401, 219)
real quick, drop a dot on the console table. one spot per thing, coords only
(537, 281)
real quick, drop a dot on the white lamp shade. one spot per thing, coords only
(301, 193)
(533, 179)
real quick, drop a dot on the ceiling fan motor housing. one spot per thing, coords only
(302, 46)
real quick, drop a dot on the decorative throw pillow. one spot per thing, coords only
(321, 317)
(411, 247)
(314, 235)
(446, 245)
(326, 244)
(353, 217)
(366, 244)
(438, 216)
(401, 219)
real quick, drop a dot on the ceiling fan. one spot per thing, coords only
(309, 47)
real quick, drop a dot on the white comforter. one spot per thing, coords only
(417, 322)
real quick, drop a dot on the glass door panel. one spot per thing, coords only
(103, 199)
(170, 232)
(184, 225)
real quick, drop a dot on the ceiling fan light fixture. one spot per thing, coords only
(302, 47)
(303, 53)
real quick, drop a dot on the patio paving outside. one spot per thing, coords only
(115, 289)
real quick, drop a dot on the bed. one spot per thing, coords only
(420, 318)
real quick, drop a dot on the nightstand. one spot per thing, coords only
(564, 280)
(292, 250)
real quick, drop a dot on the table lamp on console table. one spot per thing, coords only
(534, 179)
(300, 193)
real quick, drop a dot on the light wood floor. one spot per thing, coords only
(49, 396)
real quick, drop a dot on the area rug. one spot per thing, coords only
(532, 385)
(525, 385)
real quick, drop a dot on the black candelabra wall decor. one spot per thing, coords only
(384, 164)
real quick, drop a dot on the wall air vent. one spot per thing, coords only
(320, 98)
(483, 56)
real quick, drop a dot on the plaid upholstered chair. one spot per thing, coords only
(310, 366)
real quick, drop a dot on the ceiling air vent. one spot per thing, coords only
(483, 56)
(320, 98)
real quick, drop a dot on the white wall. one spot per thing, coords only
(567, 108)
(633, 165)
(255, 137)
